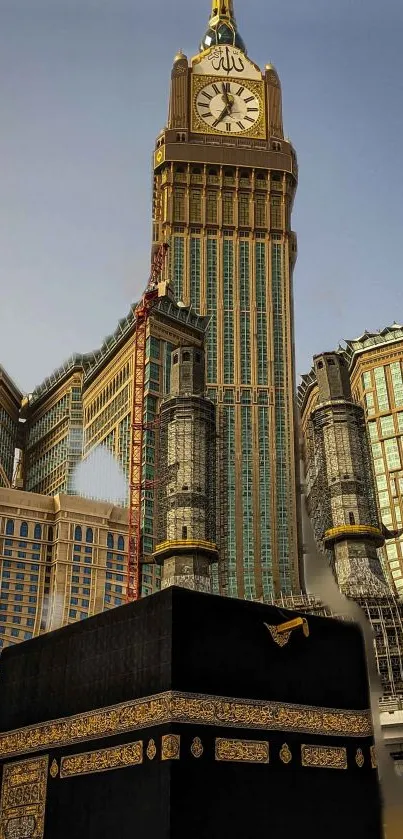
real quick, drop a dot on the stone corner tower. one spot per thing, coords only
(187, 485)
(341, 490)
(225, 177)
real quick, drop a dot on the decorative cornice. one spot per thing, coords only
(188, 708)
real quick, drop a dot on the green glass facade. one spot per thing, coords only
(236, 268)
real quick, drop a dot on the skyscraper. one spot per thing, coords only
(10, 402)
(224, 183)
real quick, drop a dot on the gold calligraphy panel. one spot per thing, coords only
(23, 799)
(197, 709)
(324, 757)
(118, 757)
(170, 747)
(245, 751)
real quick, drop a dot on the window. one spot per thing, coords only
(24, 529)
(397, 383)
(186, 356)
(381, 389)
(176, 358)
(366, 381)
(260, 211)
(211, 207)
(89, 536)
(179, 204)
(72, 613)
(10, 527)
(195, 205)
(243, 209)
(121, 543)
(37, 532)
(109, 540)
(351, 518)
(184, 532)
(387, 426)
(227, 208)
(78, 535)
(275, 205)
(392, 454)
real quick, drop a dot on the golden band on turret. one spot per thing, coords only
(185, 545)
(354, 531)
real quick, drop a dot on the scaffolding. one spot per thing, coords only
(385, 615)
(186, 490)
(337, 453)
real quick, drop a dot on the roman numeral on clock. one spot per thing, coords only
(249, 99)
(228, 126)
(249, 119)
(241, 90)
(215, 88)
(252, 109)
(207, 95)
(240, 125)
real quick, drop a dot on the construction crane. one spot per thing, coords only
(16, 482)
(4, 478)
(136, 484)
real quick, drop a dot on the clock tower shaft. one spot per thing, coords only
(223, 199)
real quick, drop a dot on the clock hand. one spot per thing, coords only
(225, 94)
(223, 113)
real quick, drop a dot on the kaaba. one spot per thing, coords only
(187, 714)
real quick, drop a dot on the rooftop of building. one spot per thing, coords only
(27, 503)
(91, 363)
(10, 384)
(350, 349)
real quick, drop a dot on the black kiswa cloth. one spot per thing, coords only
(262, 736)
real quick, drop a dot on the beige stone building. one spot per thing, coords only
(10, 404)
(63, 558)
(83, 410)
(376, 373)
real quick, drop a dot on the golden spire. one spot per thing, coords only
(222, 29)
(222, 10)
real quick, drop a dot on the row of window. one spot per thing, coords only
(23, 529)
(192, 207)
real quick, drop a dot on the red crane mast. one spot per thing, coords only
(136, 483)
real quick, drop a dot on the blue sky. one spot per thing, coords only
(83, 92)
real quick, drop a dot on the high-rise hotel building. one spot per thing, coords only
(224, 183)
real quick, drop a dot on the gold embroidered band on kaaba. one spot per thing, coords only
(178, 707)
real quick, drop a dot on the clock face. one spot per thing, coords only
(227, 107)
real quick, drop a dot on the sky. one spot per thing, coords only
(83, 93)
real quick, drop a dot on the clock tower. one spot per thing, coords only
(224, 183)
